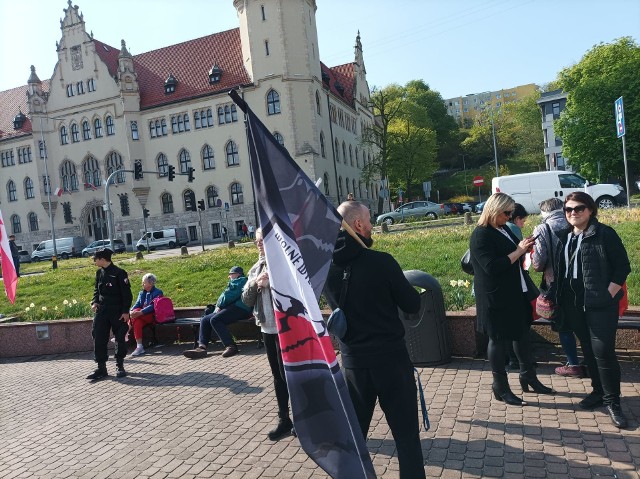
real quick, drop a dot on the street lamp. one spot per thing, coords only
(54, 259)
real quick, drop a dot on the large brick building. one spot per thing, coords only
(104, 108)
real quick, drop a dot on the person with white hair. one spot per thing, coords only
(142, 311)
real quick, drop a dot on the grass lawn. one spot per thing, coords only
(197, 280)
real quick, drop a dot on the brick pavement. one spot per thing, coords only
(175, 418)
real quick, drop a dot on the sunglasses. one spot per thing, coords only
(578, 209)
(508, 213)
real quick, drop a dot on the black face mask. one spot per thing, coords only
(367, 241)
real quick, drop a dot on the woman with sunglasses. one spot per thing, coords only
(593, 266)
(503, 296)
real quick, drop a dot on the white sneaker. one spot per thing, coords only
(139, 351)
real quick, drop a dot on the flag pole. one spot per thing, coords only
(355, 236)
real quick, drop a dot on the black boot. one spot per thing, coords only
(99, 373)
(529, 378)
(617, 416)
(502, 391)
(283, 429)
(120, 372)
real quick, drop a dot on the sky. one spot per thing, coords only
(458, 47)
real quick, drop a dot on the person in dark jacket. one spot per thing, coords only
(374, 355)
(15, 254)
(593, 267)
(111, 302)
(501, 285)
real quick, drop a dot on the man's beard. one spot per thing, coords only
(367, 241)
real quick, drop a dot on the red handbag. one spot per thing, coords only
(623, 305)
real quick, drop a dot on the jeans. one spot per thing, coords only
(218, 322)
(274, 355)
(568, 342)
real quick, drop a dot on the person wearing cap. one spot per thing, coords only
(229, 309)
(111, 303)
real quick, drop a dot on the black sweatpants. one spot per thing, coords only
(272, 346)
(394, 386)
(108, 319)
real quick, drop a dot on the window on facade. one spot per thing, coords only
(33, 221)
(174, 124)
(167, 203)
(185, 120)
(318, 108)
(209, 118)
(357, 158)
(80, 87)
(325, 180)
(28, 188)
(91, 173)
(336, 144)
(236, 194)
(11, 191)
(153, 130)
(134, 131)
(15, 224)
(70, 92)
(64, 136)
(46, 184)
(185, 161)
(163, 165)
(196, 119)
(232, 154)
(350, 155)
(215, 230)
(208, 162)
(24, 155)
(43, 149)
(220, 115)
(263, 13)
(163, 127)
(193, 233)
(114, 163)
(97, 128)
(278, 138)
(266, 47)
(75, 133)
(323, 153)
(273, 102)
(7, 158)
(344, 152)
(340, 186)
(556, 110)
(212, 196)
(185, 196)
(68, 176)
(111, 126)
(353, 186)
(91, 84)
(86, 130)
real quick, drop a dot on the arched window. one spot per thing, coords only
(111, 126)
(187, 194)
(227, 114)
(153, 128)
(357, 158)
(187, 125)
(353, 184)
(196, 119)
(11, 191)
(97, 128)
(346, 184)
(68, 176)
(163, 164)
(278, 138)
(344, 152)
(325, 180)
(208, 161)
(64, 136)
(91, 173)
(318, 109)
(336, 144)
(28, 188)
(350, 155)
(340, 186)
(209, 118)
(75, 133)
(273, 102)
(15, 224)
(114, 162)
(86, 130)
(33, 221)
(167, 203)
(322, 150)
(220, 115)
(163, 127)
(232, 154)
(236, 194)
(212, 196)
(185, 161)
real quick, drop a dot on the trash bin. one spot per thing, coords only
(426, 332)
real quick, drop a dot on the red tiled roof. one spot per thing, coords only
(343, 74)
(13, 101)
(189, 62)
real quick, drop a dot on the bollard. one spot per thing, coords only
(139, 255)
(184, 251)
(467, 218)
(384, 227)
(231, 244)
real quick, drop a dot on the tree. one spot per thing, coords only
(525, 129)
(587, 125)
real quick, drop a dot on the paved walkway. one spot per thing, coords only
(175, 418)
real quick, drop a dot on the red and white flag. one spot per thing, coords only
(9, 275)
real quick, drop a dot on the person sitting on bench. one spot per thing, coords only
(142, 311)
(229, 309)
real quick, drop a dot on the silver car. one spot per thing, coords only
(413, 210)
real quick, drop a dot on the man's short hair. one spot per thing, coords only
(552, 204)
(103, 254)
(12, 236)
(352, 210)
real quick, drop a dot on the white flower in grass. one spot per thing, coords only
(65, 302)
(453, 283)
(460, 283)
(74, 301)
(32, 305)
(56, 308)
(44, 308)
(27, 309)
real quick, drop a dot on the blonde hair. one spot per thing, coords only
(497, 204)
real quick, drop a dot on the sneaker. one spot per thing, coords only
(98, 374)
(199, 352)
(570, 371)
(139, 351)
(120, 372)
(230, 351)
(283, 429)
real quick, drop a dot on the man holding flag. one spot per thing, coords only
(9, 275)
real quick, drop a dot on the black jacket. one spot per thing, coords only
(112, 288)
(604, 260)
(377, 288)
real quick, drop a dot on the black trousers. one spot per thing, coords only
(274, 356)
(498, 348)
(108, 319)
(394, 386)
(596, 330)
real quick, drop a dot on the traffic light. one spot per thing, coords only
(191, 170)
(145, 212)
(137, 170)
(201, 205)
(172, 172)
(190, 201)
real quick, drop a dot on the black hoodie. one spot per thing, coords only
(377, 288)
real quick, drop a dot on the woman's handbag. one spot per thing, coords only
(465, 263)
(337, 322)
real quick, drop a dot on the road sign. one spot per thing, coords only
(478, 181)
(619, 109)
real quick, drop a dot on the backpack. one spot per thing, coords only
(163, 310)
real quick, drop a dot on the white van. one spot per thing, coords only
(65, 247)
(169, 238)
(529, 189)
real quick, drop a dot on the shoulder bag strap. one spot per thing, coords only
(345, 286)
(550, 250)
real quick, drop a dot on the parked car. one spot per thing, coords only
(479, 206)
(69, 247)
(169, 238)
(469, 206)
(118, 247)
(24, 256)
(415, 209)
(453, 208)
